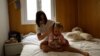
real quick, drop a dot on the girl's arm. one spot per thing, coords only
(50, 38)
(62, 40)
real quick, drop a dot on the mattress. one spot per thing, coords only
(32, 47)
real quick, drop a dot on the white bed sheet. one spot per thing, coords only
(31, 48)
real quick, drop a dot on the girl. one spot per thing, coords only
(55, 39)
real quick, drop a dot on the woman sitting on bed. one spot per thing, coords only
(44, 29)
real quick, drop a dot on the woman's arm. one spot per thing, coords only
(42, 36)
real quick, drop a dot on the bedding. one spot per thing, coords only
(32, 47)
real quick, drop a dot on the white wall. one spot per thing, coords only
(4, 25)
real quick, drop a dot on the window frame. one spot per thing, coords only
(24, 11)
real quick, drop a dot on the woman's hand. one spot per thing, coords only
(48, 32)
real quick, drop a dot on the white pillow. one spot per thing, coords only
(30, 39)
(74, 36)
(86, 36)
(77, 29)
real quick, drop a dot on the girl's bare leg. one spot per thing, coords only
(71, 49)
(45, 48)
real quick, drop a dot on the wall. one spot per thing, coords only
(66, 14)
(4, 27)
(15, 19)
(89, 16)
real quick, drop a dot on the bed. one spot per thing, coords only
(31, 47)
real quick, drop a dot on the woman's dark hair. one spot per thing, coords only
(38, 17)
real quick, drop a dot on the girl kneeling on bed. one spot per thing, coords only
(56, 42)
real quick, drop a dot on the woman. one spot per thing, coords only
(43, 25)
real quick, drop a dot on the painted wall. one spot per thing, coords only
(89, 16)
(71, 13)
(4, 27)
(66, 13)
(15, 19)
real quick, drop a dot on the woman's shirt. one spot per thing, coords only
(45, 27)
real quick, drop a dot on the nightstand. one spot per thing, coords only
(13, 49)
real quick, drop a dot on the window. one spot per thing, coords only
(30, 7)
